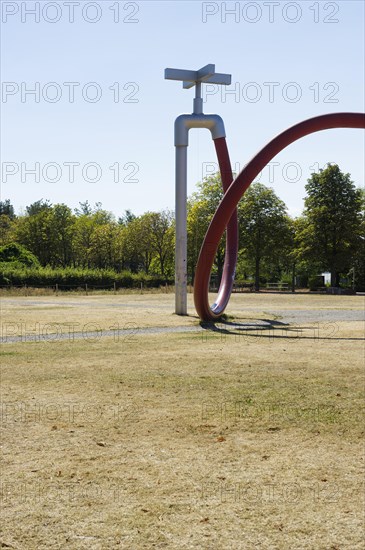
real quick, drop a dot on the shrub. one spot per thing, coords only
(316, 282)
(16, 253)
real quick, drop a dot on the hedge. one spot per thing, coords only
(12, 275)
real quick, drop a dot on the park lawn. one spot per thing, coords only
(203, 440)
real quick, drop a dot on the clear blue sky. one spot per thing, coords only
(315, 46)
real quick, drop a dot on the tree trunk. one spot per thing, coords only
(333, 277)
(257, 274)
(162, 264)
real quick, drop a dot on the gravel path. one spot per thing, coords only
(283, 318)
(286, 315)
(127, 334)
(319, 315)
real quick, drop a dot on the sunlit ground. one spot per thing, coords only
(247, 434)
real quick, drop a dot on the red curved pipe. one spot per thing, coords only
(230, 259)
(224, 214)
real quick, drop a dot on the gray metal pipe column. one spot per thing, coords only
(181, 302)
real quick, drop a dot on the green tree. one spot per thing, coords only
(83, 230)
(87, 222)
(149, 242)
(265, 232)
(62, 227)
(162, 232)
(47, 232)
(84, 210)
(357, 272)
(34, 231)
(106, 246)
(139, 242)
(201, 207)
(38, 206)
(331, 233)
(7, 209)
(127, 217)
(7, 229)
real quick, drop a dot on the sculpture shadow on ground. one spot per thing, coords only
(275, 330)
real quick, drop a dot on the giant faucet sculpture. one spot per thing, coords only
(225, 216)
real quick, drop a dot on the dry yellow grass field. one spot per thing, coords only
(225, 437)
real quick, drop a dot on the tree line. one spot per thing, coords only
(273, 246)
